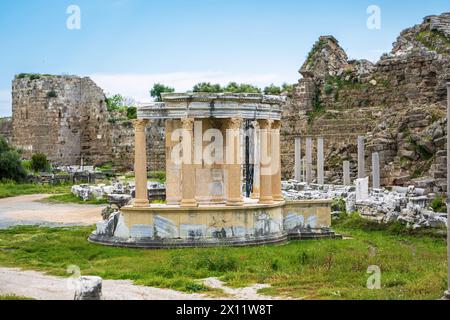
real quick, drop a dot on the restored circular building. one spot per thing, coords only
(223, 178)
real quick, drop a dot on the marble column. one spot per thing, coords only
(298, 159)
(256, 160)
(234, 161)
(173, 167)
(188, 166)
(361, 158)
(320, 162)
(276, 161)
(375, 170)
(140, 163)
(308, 160)
(346, 175)
(266, 163)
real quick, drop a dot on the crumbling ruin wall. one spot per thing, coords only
(6, 128)
(398, 104)
(66, 118)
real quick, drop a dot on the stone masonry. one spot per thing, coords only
(66, 118)
(397, 104)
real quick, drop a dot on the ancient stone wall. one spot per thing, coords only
(398, 104)
(66, 118)
(6, 128)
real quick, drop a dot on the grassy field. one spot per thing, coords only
(71, 198)
(413, 266)
(11, 189)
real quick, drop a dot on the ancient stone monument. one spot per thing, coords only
(205, 203)
(67, 118)
(398, 104)
(298, 159)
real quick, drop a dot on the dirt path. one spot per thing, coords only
(28, 210)
(32, 284)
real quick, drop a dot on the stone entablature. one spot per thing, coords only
(217, 105)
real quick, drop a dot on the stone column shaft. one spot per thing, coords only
(276, 161)
(361, 158)
(298, 159)
(140, 163)
(375, 170)
(188, 166)
(234, 184)
(320, 162)
(346, 175)
(266, 166)
(308, 160)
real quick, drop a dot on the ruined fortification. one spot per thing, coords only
(398, 104)
(66, 118)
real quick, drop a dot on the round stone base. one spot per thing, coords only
(147, 243)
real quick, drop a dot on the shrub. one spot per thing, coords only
(157, 175)
(132, 113)
(338, 205)
(439, 205)
(39, 162)
(328, 88)
(219, 262)
(52, 94)
(11, 167)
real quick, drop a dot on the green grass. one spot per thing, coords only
(71, 198)
(11, 189)
(413, 265)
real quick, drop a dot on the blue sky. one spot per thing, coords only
(127, 45)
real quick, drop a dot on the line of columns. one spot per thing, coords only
(269, 165)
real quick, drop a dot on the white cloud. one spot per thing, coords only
(137, 86)
(5, 103)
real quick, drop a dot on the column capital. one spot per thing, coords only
(234, 123)
(140, 124)
(187, 123)
(265, 124)
(276, 124)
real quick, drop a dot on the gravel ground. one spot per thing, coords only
(28, 210)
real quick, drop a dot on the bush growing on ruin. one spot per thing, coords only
(39, 162)
(132, 113)
(439, 205)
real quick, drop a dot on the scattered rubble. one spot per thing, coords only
(407, 205)
(89, 288)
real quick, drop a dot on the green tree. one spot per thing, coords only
(241, 88)
(272, 90)
(288, 88)
(207, 87)
(39, 162)
(10, 165)
(159, 88)
(115, 102)
(132, 113)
